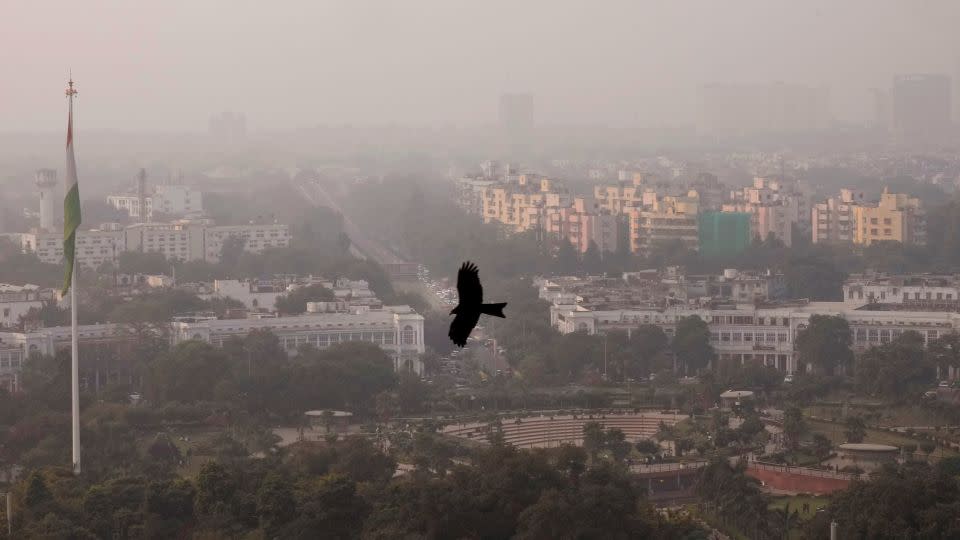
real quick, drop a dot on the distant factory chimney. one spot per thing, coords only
(46, 180)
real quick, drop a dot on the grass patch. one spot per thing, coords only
(796, 503)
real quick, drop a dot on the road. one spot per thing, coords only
(362, 245)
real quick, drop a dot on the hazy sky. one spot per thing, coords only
(167, 65)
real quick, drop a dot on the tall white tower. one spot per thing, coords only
(46, 180)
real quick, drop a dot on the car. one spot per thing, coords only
(788, 379)
(944, 384)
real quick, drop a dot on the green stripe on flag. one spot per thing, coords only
(71, 222)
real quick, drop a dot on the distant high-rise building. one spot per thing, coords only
(921, 106)
(228, 126)
(516, 113)
(747, 109)
(881, 108)
(46, 180)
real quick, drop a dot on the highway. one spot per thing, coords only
(362, 245)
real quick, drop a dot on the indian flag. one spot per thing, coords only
(71, 204)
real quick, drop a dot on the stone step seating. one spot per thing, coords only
(539, 431)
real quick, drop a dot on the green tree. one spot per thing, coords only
(189, 372)
(37, 493)
(231, 251)
(821, 445)
(793, 427)
(215, 489)
(691, 344)
(896, 368)
(648, 343)
(855, 429)
(813, 275)
(593, 259)
(330, 504)
(567, 259)
(295, 301)
(825, 343)
(593, 439)
(275, 502)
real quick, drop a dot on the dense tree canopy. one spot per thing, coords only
(691, 344)
(825, 343)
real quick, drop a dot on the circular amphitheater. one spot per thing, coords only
(550, 431)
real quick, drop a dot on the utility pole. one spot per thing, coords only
(833, 530)
(9, 515)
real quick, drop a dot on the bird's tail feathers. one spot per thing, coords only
(495, 310)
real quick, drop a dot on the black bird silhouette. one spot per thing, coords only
(471, 304)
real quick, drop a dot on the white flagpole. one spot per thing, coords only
(74, 343)
(75, 372)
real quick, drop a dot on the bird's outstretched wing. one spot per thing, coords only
(462, 325)
(469, 289)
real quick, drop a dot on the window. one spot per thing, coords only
(782, 337)
(873, 232)
(409, 336)
(887, 221)
(873, 221)
(6, 312)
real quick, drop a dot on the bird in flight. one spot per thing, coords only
(471, 304)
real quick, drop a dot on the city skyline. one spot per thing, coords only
(644, 64)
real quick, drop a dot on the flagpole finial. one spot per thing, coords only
(71, 91)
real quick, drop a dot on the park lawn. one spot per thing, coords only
(796, 503)
(834, 432)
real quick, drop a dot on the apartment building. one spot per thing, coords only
(774, 208)
(663, 219)
(626, 193)
(171, 199)
(833, 220)
(93, 247)
(470, 192)
(183, 240)
(176, 241)
(256, 238)
(849, 218)
(897, 217)
(581, 223)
